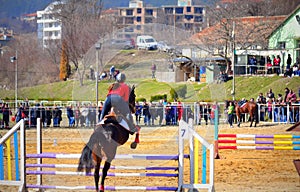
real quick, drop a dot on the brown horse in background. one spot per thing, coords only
(249, 107)
(103, 144)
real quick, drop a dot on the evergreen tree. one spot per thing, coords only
(64, 64)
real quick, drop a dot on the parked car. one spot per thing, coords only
(146, 42)
(123, 44)
(163, 46)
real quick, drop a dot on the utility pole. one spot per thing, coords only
(98, 47)
(15, 59)
(232, 62)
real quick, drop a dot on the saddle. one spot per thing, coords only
(115, 119)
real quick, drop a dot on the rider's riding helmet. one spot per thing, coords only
(121, 77)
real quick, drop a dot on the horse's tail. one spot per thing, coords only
(86, 159)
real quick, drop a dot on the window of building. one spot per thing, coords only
(198, 19)
(129, 29)
(188, 17)
(198, 10)
(129, 12)
(139, 10)
(149, 11)
(138, 27)
(129, 20)
(148, 20)
(179, 10)
(56, 33)
(138, 19)
(188, 9)
(281, 45)
(188, 26)
(169, 10)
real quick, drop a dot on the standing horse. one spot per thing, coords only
(249, 107)
(103, 143)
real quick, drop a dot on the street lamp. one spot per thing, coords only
(15, 59)
(98, 47)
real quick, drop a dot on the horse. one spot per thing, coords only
(249, 107)
(103, 143)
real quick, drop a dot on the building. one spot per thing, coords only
(184, 15)
(286, 37)
(49, 28)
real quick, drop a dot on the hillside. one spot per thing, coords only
(246, 87)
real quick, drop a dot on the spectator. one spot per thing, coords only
(138, 112)
(270, 110)
(288, 62)
(57, 116)
(286, 92)
(295, 70)
(168, 113)
(92, 114)
(261, 100)
(270, 94)
(146, 113)
(112, 72)
(70, 115)
(291, 97)
(253, 65)
(6, 114)
(153, 113)
(179, 110)
(230, 114)
(103, 75)
(269, 67)
(85, 113)
(276, 62)
(48, 116)
(19, 113)
(77, 115)
(153, 70)
(160, 112)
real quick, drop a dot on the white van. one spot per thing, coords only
(146, 42)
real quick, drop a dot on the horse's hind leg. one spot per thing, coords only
(104, 174)
(96, 173)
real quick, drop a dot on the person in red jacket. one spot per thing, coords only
(117, 97)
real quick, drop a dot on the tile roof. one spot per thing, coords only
(246, 28)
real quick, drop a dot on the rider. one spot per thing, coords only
(118, 96)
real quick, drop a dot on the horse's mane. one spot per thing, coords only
(131, 100)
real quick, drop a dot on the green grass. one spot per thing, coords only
(246, 87)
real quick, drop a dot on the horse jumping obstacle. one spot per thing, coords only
(41, 169)
(259, 142)
(178, 169)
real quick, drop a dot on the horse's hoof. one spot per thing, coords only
(133, 145)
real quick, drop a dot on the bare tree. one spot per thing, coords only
(82, 25)
(34, 67)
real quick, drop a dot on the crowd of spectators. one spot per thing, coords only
(272, 107)
(274, 65)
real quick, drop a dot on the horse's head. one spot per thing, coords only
(131, 100)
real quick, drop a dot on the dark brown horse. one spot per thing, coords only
(249, 107)
(103, 143)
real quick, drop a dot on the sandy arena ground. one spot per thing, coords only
(236, 170)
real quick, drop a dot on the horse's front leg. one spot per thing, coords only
(96, 173)
(104, 174)
(137, 138)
